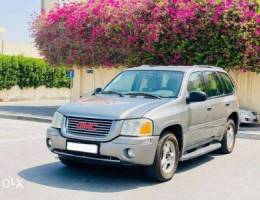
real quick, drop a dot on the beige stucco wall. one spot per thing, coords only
(42, 92)
(248, 84)
(83, 82)
(248, 89)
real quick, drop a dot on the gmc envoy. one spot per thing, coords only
(151, 116)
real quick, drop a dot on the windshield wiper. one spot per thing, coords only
(143, 94)
(112, 92)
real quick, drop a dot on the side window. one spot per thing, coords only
(214, 85)
(196, 82)
(228, 84)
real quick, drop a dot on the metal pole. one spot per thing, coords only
(2, 32)
(71, 86)
(94, 73)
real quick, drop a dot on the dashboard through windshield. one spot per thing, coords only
(157, 83)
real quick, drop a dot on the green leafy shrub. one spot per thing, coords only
(8, 72)
(30, 72)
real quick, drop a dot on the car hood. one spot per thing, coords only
(111, 107)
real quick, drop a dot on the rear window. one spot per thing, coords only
(228, 84)
(214, 85)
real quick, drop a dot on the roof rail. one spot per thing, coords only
(149, 65)
(203, 66)
(206, 66)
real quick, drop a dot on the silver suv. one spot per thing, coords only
(152, 116)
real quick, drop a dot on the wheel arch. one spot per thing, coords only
(177, 130)
(235, 117)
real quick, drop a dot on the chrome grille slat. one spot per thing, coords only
(83, 131)
(98, 129)
(101, 129)
(103, 124)
(101, 121)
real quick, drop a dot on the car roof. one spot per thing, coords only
(178, 68)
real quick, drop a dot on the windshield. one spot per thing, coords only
(159, 83)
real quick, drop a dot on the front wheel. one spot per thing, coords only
(166, 158)
(228, 141)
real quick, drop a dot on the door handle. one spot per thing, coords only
(227, 104)
(209, 109)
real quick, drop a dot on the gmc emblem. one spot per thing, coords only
(87, 126)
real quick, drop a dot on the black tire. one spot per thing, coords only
(155, 171)
(68, 162)
(226, 148)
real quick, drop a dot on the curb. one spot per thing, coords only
(249, 135)
(26, 118)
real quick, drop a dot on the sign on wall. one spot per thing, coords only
(71, 74)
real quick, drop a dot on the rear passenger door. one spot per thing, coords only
(215, 106)
(229, 99)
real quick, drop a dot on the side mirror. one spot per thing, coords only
(197, 96)
(97, 90)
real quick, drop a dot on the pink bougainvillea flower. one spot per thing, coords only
(133, 32)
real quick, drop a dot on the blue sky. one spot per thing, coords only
(15, 16)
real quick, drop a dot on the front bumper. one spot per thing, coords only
(248, 120)
(114, 151)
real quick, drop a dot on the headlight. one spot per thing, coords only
(57, 120)
(245, 113)
(137, 127)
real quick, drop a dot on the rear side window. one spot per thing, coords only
(196, 82)
(214, 85)
(228, 84)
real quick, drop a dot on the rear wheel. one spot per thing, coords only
(166, 158)
(228, 141)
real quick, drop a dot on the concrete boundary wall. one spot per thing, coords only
(85, 82)
(248, 89)
(17, 94)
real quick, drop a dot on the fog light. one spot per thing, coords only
(49, 143)
(130, 153)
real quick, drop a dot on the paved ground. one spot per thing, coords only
(41, 110)
(250, 131)
(29, 172)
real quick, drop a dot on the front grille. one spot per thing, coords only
(88, 127)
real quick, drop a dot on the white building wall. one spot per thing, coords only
(25, 49)
(47, 5)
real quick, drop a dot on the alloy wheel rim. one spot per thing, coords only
(168, 157)
(230, 136)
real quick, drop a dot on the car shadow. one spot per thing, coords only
(93, 178)
(193, 163)
(98, 178)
